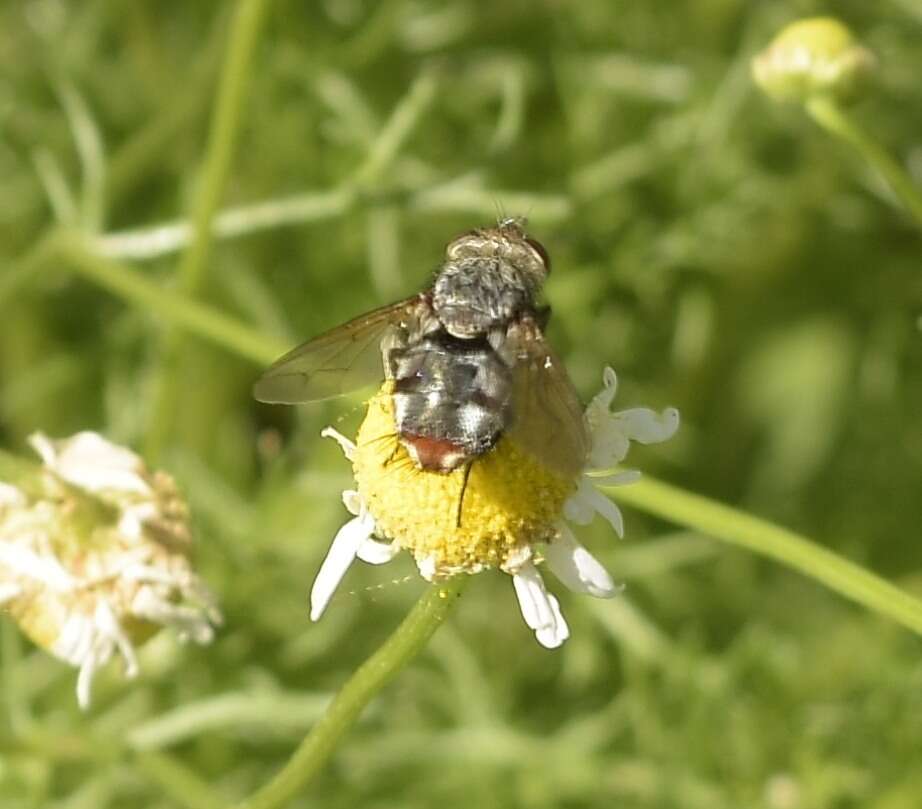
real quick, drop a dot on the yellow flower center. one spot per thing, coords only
(510, 500)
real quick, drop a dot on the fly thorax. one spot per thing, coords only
(473, 295)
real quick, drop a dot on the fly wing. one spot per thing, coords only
(547, 417)
(343, 359)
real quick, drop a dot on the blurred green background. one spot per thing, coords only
(719, 251)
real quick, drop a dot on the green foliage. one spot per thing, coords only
(723, 254)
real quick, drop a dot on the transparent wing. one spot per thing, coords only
(547, 417)
(340, 360)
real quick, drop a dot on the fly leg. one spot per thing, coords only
(464, 479)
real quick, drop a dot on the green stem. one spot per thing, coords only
(317, 747)
(222, 139)
(169, 237)
(402, 122)
(462, 195)
(728, 524)
(172, 307)
(312, 206)
(838, 122)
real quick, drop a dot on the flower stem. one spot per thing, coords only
(298, 209)
(222, 139)
(754, 534)
(830, 115)
(458, 195)
(407, 640)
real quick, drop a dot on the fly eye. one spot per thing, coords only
(542, 253)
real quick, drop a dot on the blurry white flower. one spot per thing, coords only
(515, 511)
(94, 556)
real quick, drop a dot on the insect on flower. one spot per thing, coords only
(467, 358)
(475, 446)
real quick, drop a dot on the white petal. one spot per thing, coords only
(131, 522)
(9, 591)
(193, 623)
(92, 463)
(587, 501)
(647, 426)
(427, 567)
(553, 636)
(74, 642)
(377, 553)
(85, 678)
(601, 402)
(577, 508)
(611, 433)
(540, 609)
(43, 445)
(576, 567)
(342, 553)
(42, 567)
(516, 558)
(347, 446)
(608, 509)
(533, 600)
(11, 496)
(88, 642)
(107, 625)
(352, 500)
(609, 444)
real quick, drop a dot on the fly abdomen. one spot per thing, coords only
(451, 399)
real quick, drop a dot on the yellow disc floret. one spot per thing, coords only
(510, 500)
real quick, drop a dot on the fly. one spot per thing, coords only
(467, 358)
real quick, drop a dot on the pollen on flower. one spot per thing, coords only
(510, 500)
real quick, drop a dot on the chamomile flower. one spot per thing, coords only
(94, 556)
(515, 514)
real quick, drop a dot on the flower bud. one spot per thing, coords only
(816, 56)
(94, 558)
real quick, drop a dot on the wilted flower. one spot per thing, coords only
(811, 57)
(515, 511)
(94, 556)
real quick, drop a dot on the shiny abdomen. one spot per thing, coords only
(451, 399)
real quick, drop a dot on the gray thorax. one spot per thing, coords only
(476, 295)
